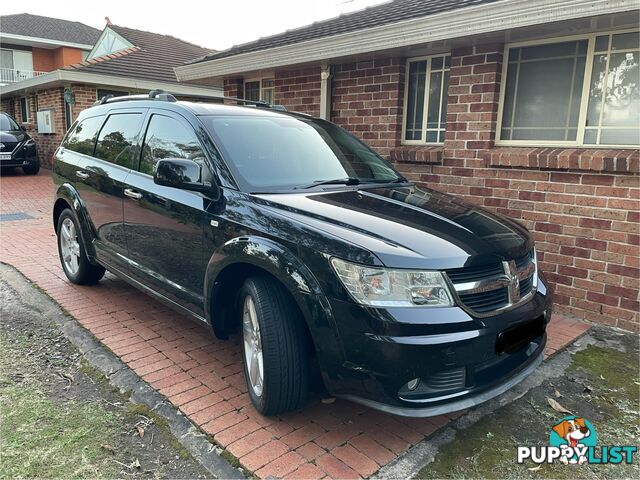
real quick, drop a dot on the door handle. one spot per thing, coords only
(82, 175)
(132, 194)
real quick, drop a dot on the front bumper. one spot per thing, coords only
(20, 157)
(455, 404)
(457, 360)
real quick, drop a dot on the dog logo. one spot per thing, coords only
(574, 436)
(572, 441)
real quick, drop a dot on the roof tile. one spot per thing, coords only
(49, 28)
(386, 13)
(152, 57)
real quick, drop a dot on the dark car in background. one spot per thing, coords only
(17, 148)
(291, 231)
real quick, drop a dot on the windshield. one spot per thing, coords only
(283, 153)
(7, 124)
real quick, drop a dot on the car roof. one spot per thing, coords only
(195, 108)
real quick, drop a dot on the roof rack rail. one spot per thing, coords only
(157, 94)
(255, 103)
(161, 95)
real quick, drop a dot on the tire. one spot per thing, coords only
(78, 269)
(283, 342)
(32, 169)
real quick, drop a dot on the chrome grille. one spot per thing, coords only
(472, 274)
(485, 301)
(491, 289)
(525, 286)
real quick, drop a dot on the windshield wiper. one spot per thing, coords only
(334, 181)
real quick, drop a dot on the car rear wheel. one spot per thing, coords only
(276, 363)
(71, 250)
(32, 168)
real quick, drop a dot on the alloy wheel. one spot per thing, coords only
(252, 346)
(70, 246)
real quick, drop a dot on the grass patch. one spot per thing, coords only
(43, 438)
(601, 384)
(101, 379)
(610, 366)
(233, 461)
(139, 409)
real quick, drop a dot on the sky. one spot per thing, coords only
(215, 24)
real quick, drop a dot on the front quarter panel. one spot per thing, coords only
(67, 193)
(283, 264)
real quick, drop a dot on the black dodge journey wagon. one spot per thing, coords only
(294, 233)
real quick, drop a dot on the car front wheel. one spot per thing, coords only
(32, 168)
(71, 250)
(274, 343)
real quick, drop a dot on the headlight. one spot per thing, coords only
(29, 143)
(383, 287)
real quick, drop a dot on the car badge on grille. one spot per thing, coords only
(1, 146)
(513, 282)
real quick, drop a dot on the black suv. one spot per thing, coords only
(17, 148)
(294, 232)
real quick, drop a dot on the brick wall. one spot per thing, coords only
(582, 205)
(299, 90)
(48, 142)
(367, 100)
(52, 98)
(8, 105)
(233, 87)
(85, 96)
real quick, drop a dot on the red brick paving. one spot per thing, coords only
(203, 376)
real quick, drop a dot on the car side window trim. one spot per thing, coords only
(72, 131)
(136, 147)
(182, 121)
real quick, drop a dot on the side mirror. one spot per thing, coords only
(180, 173)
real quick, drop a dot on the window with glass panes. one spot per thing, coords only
(427, 82)
(257, 90)
(583, 91)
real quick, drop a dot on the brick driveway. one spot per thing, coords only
(203, 376)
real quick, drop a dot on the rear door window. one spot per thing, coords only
(118, 139)
(83, 138)
(166, 137)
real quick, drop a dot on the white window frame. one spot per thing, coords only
(584, 101)
(423, 139)
(262, 87)
(26, 119)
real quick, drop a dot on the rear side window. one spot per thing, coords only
(168, 138)
(118, 138)
(83, 137)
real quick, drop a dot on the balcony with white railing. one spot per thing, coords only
(12, 75)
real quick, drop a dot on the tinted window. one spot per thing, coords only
(279, 152)
(83, 137)
(117, 140)
(168, 138)
(7, 124)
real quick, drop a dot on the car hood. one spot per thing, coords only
(13, 136)
(407, 226)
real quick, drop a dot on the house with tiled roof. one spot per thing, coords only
(32, 45)
(530, 108)
(116, 61)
